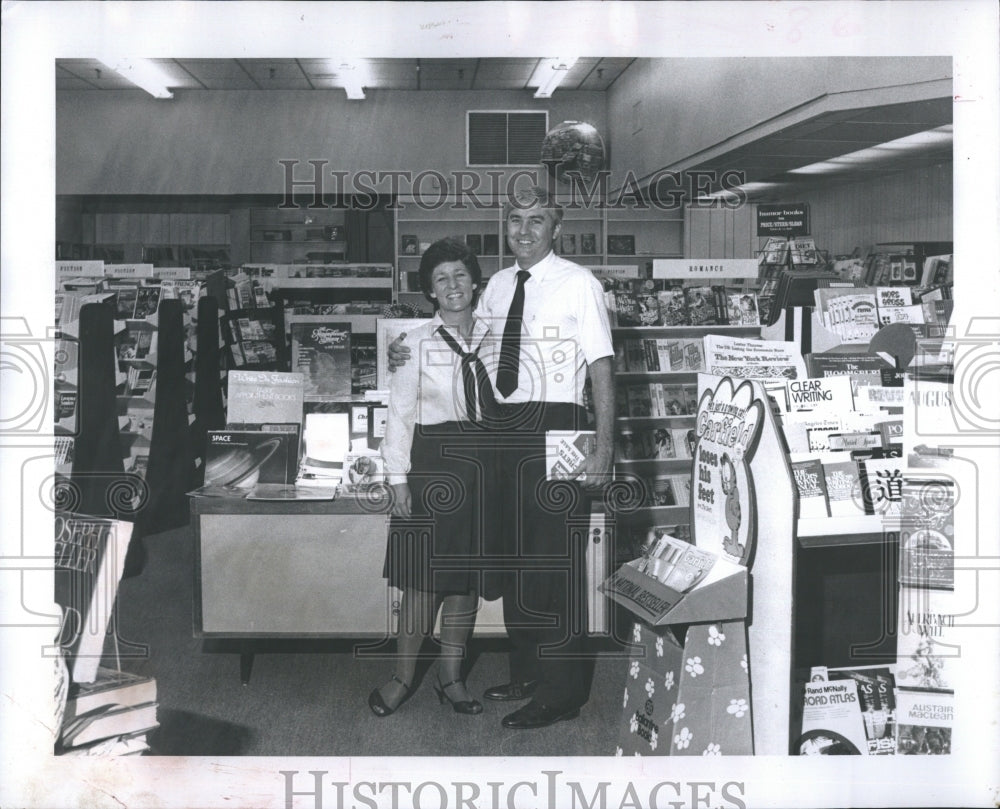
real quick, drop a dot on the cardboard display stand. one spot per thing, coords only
(725, 687)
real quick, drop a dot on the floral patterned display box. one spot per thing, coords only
(690, 700)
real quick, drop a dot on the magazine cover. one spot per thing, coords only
(321, 352)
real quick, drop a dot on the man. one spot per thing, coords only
(555, 332)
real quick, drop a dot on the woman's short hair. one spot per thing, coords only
(444, 250)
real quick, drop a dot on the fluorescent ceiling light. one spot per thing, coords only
(911, 144)
(142, 73)
(353, 75)
(551, 75)
(746, 188)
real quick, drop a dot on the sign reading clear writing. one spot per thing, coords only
(783, 219)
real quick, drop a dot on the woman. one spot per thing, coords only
(432, 451)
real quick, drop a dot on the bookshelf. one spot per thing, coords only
(298, 236)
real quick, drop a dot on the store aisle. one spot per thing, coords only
(309, 699)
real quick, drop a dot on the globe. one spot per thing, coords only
(573, 149)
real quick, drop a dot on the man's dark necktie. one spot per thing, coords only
(510, 346)
(475, 380)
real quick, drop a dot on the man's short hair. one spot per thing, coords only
(533, 195)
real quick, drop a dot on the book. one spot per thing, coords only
(682, 489)
(474, 241)
(568, 244)
(363, 469)
(147, 302)
(831, 721)
(640, 402)
(673, 308)
(326, 441)
(810, 483)
(676, 563)
(882, 486)
(927, 538)
(927, 649)
(89, 559)
(849, 312)
(803, 253)
(742, 309)
(491, 244)
(321, 352)
(648, 306)
(259, 397)
(244, 458)
(132, 744)
(626, 304)
(877, 700)
(110, 687)
(588, 244)
(109, 722)
(705, 306)
(843, 487)
(924, 722)
(565, 450)
(862, 368)
(775, 251)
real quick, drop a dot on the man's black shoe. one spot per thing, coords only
(511, 691)
(536, 715)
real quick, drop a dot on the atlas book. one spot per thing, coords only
(89, 559)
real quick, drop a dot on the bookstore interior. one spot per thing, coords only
(773, 559)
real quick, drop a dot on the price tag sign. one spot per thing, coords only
(684, 268)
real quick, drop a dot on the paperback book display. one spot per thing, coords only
(660, 355)
(661, 302)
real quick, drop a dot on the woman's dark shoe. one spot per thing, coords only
(466, 706)
(377, 704)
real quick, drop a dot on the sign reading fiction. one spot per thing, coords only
(783, 219)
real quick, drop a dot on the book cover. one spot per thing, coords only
(850, 313)
(702, 306)
(775, 251)
(640, 402)
(694, 354)
(803, 252)
(882, 486)
(474, 241)
(326, 441)
(146, 302)
(125, 299)
(363, 469)
(568, 244)
(927, 536)
(491, 244)
(588, 244)
(321, 352)
(925, 720)
(673, 308)
(671, 354)
(565, 450)
(244, 458)
(110, 687)
(682, 489)
(647, 304)
(742, 309)
(811, 485)
(684, 440)
(89, 558)
(928, 653)
(876, 697)
(831, 721)
(264, 397)
(626, 304)
(843, 487)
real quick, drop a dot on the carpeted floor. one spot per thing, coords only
(310, 699)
